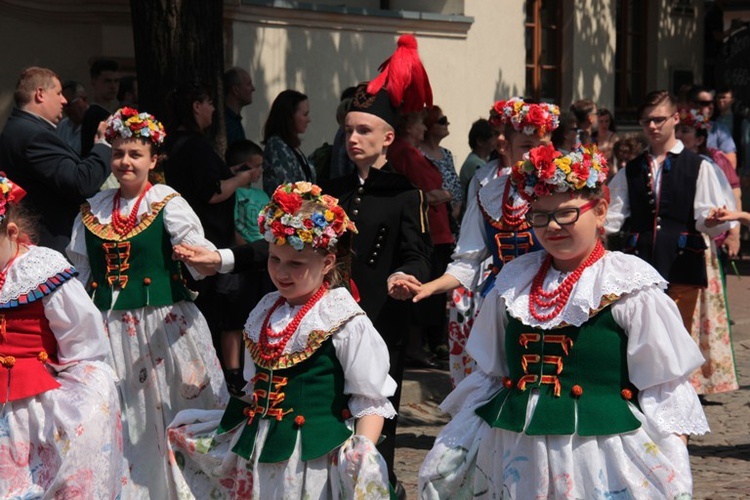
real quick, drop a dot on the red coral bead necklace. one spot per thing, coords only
(123, 225)
(557, 298)
(271, 352)
(513, 216)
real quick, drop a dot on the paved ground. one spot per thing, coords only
(720, 460)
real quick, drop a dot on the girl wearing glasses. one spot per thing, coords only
(581, 387)
(493, 226)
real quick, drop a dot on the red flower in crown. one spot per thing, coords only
(288, 202)
(537, 116)
(543, 158)
(128, 112)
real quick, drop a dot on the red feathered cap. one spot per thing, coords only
(404, 77)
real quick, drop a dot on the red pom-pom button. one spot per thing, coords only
(94, 285)
(147, 281)
(626, 394)
(507, 382)
(346, 414)
(577, 390)
(299, 420)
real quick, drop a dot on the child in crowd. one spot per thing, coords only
(318, 374)
(161, 347)
(493, 226)
(245, 290)
(582, 388)
(60, 429)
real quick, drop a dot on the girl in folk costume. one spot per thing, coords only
(58, 402)
(582, 384)
(710, 325)
(318, 372)
(494, 226)
(161, 349)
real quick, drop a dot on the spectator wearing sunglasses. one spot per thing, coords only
(665, 195)
(719, 136)
(436, 129)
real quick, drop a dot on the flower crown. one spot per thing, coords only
(10, 192)
(128, 122)
(693, 117)
(280, 222)
(530, 119)
(546, 171)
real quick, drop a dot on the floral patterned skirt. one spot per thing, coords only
(470, 459)
(463, 306)
(711, 331)
(203, 466)
(67, 442)
(166, 362)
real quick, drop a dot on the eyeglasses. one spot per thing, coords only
(443, 120)
(563, 217)
(658, 120)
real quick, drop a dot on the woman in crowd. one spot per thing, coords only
(711, 328)
(564, 137)
(209, 185)
(483, 140)
(283, 160)
(606, 133)
(429, 318)
(436, 129)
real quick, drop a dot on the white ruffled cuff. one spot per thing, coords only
(362, 405)
(474, 390)
(674, 407)
(465, 272)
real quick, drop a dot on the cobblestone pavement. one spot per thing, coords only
(720, 460)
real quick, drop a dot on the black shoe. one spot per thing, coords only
(235, 382)
(441, 352)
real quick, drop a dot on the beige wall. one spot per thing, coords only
(468, 73)
(676, 43)
(590, 40)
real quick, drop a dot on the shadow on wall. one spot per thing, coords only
(502, 91)
(306, 52)
(590, 31)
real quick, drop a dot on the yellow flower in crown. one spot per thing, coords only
(542, 171)
(321, 225)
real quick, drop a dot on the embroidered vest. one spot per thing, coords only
(581, 374)
(27, 342)
(304, 397)
(506, 243)
(662, 228)
(139, 264)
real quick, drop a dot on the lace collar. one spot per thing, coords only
(101, 203)
(34, 275)
(490, 197)
(614, 275)
(328, 315)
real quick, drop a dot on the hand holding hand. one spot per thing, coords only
(402, 286)
(204, 260)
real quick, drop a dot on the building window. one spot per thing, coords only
(543, 49)
(630, 56)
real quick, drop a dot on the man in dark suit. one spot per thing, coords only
(31, 153)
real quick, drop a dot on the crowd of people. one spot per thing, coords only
(240, 327)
